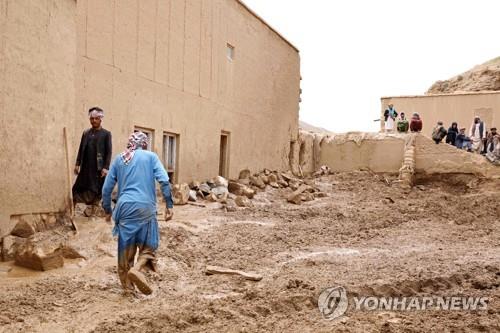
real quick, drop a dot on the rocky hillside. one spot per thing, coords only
(485, 77)
(310, 128)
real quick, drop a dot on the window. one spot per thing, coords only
(170, 146)
(230, 52)
(149, 133)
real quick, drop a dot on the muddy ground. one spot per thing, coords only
(441, 239)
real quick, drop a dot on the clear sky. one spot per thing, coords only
(355, 51)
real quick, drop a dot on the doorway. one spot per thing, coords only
(224, 154)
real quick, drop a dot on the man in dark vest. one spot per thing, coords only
(92, 163)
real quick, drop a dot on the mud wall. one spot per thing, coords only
(163, 65)
(449, 108)
(37, 89)
(431, 158)
(348, 152)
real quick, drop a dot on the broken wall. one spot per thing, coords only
(37, 89)
(460, 108)
(432, 158)
(163, 65)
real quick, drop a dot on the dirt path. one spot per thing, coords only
(440, 239)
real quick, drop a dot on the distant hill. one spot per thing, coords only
(307, 127)
(484, 77)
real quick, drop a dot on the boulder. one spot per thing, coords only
(38, 258)
(220, 181)
(219, 191)
(194, 185)
(211, 197)
(274, 185)
(282, 183)
(231, 206)
(265, 179)
(180, 194)
(248, 192)
(244, 174)
(9, 247)
(273, 178)
(245, 181)
(240, 189)
(192, 195)
(296, 197)
(242, 201)
(257, 182)
(205, 189)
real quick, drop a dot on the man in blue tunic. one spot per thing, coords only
(135, 170)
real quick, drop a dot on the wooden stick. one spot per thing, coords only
(70, 190)
(221, 270)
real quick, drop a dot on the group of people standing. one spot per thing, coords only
(134, 171)
(479, 140)
(402, 125)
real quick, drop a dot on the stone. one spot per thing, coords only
(320, 195)
(9, 247)
(194, 185)
(192, 195)
(267, 172)
(296, 197)
(274, 185)
(50, 221)
(242, 201)
(245, 181)
(231, 206)
(257, 182)
(307, 196)
(211, 197)
(220, 191)
(25, 227)
(282, 183)
(223, 198)
(294, 185)
(235, 187)
(205, 189)
(36, 258)
(69, 252)
(273, 178)
(244, 174)
(220, 181)
(241, 189)
(248, 192)
(180, 194)
(287, 176)
(265, 179)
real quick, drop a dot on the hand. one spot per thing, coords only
(104, 172)
(169, 213)
(108, 218)
(77, 169)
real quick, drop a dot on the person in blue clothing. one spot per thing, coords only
(135, 171)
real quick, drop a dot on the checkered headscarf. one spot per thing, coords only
(136, 140)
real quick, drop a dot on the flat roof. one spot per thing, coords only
(267, 24)
(463, 93)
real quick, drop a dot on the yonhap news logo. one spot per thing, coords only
(334, 302)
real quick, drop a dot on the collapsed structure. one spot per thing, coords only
(214, 87)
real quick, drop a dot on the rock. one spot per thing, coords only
(265, 179)
(220, 181)
(9, 247)
(242, 201)
(192, 195)
(296, 197)
(307, 196)
(27, 225)
(211, 197)
(244, 174)
(223, 198)
(245, 181)
(205, 189)
(240, 189)
(274, 184)
(231, 206)
(194, 185)
(181, 194)
(235, 187)
(248, 192)
(287, 176)
(273, 178)
(258, 182)
(34, 257)
(267, 172)
(294, 185)
(50, 221)
(220, 191)
(320, 195)
(69, 252)
(282, 183)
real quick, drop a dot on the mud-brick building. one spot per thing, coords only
(215, 87)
